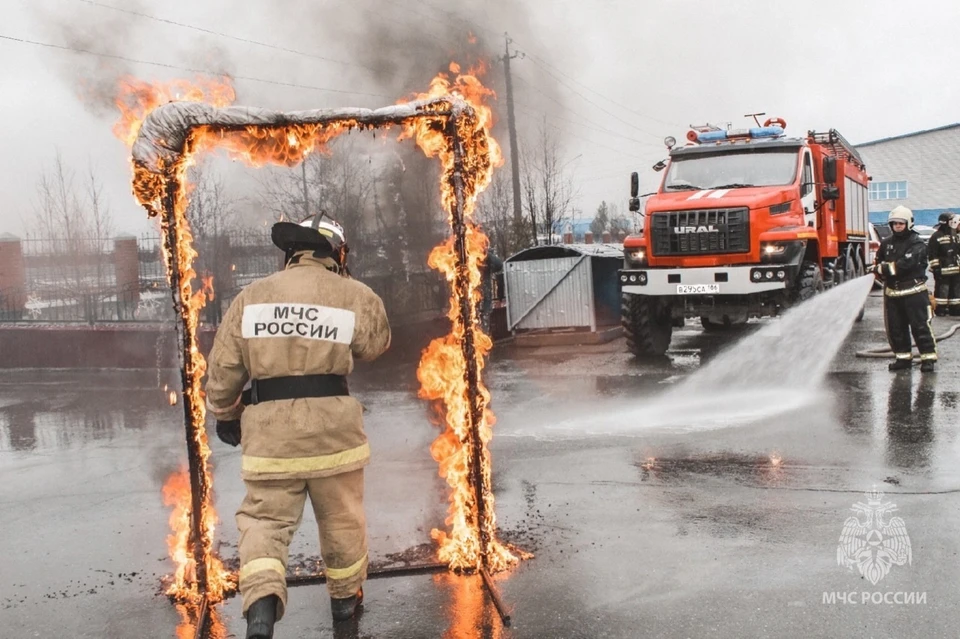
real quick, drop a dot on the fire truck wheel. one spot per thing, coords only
(646, 324)
(810, 281)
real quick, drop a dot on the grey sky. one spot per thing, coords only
(613, 76)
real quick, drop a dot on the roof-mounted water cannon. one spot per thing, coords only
(772, 128)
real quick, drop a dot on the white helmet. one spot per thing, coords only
(954, 221)
(901, 214)
(328, 228)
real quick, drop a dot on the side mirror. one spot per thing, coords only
(659, 166)
(634, 184)
(634, 204)
(830, 170)
(830, 193)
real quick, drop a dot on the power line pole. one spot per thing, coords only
(306, 200)
(514, 152)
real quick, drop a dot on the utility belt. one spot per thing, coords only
(293, 387)
(905, 287)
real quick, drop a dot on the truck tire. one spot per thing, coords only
(646, 324)
(809, 283)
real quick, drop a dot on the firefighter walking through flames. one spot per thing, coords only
(294, 335)
(901, 263)
(943, 250)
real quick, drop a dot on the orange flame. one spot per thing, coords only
(208, 289)
(443, 370)
(135, 100)
(443, 367)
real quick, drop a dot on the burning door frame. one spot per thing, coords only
(444, 124)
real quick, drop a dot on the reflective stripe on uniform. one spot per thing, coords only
(892, 292)
(950, 270)
(346, 573)
(222, 411)
(305, 464)
(928, 357)
(892, 267)
(904, 356)
(953, 302)
(261, 564)
(941, 300)
(934, 263)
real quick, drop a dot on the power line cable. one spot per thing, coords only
(225, 35)
(200, 71)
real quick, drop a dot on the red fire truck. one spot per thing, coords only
(745, 224)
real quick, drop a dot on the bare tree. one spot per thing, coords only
(75, 225)
(620, 223)
(548, 190)
(495, 215)
(211, 211)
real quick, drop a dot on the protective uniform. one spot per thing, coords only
(901, 263)
(294, 335)
(943, 249)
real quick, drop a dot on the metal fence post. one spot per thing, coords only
(13, 278)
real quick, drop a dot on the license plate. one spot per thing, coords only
(697, 289)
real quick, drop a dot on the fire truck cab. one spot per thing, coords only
(745, 224)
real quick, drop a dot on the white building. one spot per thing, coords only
(919, 170)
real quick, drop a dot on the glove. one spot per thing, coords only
(229, 432)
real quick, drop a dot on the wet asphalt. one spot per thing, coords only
(727, 532)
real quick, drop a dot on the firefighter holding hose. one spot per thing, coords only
(294, 336)
(901, 263)
(943, 249)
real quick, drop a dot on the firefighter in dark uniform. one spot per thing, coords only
(901, 263)
(943, 249)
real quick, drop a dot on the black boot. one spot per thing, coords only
(927, 366)
(343, 609)
(900, 365)
(261, 615)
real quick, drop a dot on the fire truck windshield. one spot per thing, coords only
(732, 169)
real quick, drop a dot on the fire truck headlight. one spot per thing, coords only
(633, 278)
(774, 249)
(781, 275)
(769, 275)
(623, 278)
(757, 275)
(636, 256)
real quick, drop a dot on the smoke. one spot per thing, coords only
(109, 41)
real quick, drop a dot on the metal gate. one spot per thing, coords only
(550, 293)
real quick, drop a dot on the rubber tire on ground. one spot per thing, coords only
(716, 327)
(646, 324)
(810, 281)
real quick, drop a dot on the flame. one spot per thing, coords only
(444, 368)
(208, 290)
(136, 98)
(177, 495)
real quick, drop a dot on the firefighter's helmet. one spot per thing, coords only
(954, 221)
(325, 237)
(945, 218)
(901, 214)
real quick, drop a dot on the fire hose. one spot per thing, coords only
(887, 352)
